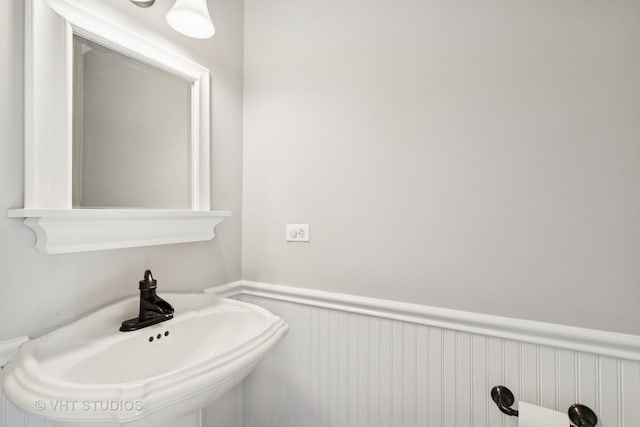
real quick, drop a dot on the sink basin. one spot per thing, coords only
(89, 372)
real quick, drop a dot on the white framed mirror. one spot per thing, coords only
(117, 136)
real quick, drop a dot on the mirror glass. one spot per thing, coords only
(131, 132)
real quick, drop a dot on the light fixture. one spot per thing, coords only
(191, 18)
(143, 3)
(188, 17)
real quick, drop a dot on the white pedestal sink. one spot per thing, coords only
(89, 373)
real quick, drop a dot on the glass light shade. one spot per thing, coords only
(143, 3)
(191, 18)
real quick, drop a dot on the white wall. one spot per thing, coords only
(482, 156)
(39, 292)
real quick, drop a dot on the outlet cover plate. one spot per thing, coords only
(298, 233)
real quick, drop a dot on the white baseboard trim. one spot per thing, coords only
(602, 343)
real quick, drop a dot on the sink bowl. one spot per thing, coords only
(90, 373)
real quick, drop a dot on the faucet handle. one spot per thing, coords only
(149, 282)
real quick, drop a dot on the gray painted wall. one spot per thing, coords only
(483, 156)
(475, 156)
(37, 291)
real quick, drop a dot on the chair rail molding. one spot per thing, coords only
(598, 342)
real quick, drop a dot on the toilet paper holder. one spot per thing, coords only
(580, 415)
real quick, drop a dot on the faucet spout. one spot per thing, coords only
(153, 309)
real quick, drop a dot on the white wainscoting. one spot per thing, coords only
(341, 368)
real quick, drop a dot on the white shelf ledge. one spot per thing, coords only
(79, 230)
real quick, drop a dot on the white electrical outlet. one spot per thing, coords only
(298, 232)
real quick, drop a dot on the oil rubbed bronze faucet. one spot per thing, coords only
(153, 309)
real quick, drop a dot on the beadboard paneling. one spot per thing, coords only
(343, 369)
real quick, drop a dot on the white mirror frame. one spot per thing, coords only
(50, 25)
